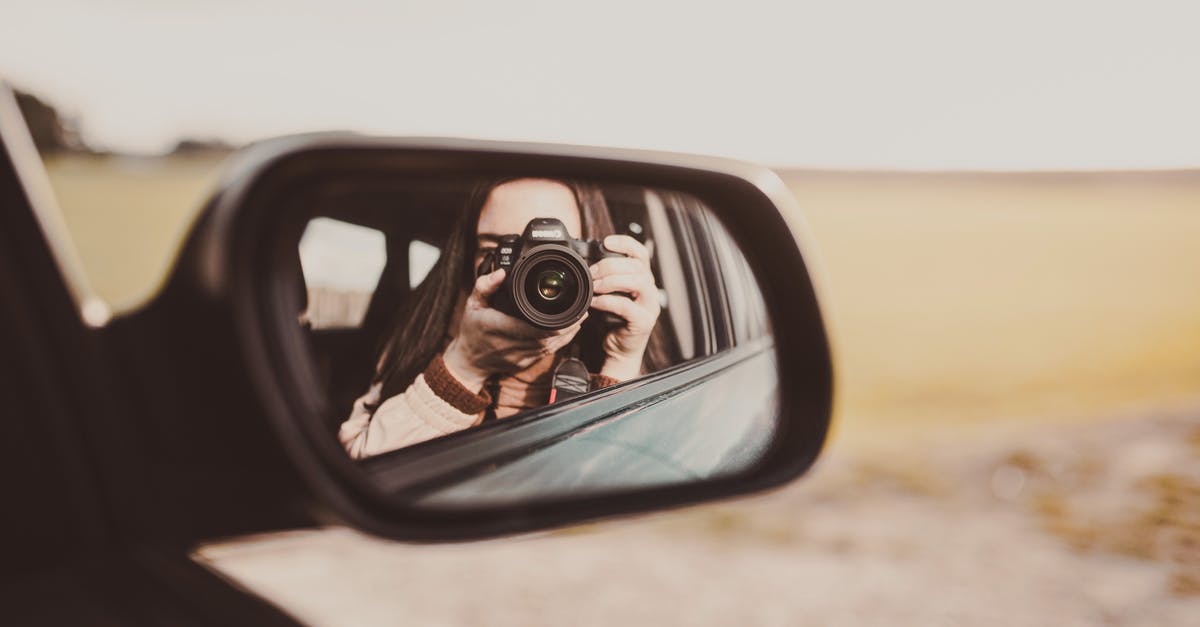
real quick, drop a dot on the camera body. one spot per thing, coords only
(547, 282)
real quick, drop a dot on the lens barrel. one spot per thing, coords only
(551, 286)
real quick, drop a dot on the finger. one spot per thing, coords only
(496, 322)
(557, 342)
(518, 330)
(627, 246)
(486, 285)
(562, 337)
(618, 265)
(520, 327)
(638, 286)
(634, 285)
(635, 315)
(571, 330)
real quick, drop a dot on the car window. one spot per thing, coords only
(748, 312)
(421, 257)
(678, 296)
(342, 264)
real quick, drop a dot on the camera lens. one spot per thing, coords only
(550, 287)
(551, 283)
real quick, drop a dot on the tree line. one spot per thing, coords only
(56, 133)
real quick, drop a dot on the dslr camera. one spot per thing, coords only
(547, 282)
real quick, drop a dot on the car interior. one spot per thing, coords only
(414, 218)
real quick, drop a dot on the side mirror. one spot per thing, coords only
(423, 404)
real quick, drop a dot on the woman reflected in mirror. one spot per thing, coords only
(452, 361)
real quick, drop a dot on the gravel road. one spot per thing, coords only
(1084, 524)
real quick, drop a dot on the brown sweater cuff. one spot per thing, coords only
(452, 390)
(598, 381)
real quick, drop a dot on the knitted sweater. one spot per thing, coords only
(437, 404)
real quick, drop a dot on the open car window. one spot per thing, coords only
(341, 263)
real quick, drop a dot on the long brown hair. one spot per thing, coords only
(419, 331)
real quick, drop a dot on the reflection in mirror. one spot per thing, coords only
(341, 263)
(492, 340)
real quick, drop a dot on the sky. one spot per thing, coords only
(919, 84)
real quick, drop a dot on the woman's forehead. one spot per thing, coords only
(512, 205)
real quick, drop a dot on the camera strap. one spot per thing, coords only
(570, 379)
(492, 386)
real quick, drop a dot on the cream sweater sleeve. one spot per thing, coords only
(435, 404)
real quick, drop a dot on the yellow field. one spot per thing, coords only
(953, 298)
(961, 298)
(129, 215)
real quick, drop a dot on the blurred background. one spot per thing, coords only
(1006, 200)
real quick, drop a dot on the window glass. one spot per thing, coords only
(342, 263)
(746, 306)
(421, 257)
(677, 302)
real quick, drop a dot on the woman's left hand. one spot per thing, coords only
(625, 286)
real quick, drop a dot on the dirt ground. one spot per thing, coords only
(1093, 523)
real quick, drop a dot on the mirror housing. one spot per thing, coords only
(229, 260)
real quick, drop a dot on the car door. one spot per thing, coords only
(72, 549)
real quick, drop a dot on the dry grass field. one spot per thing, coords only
(960, 298)
(129, 215)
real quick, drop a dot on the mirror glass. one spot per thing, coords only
(488, 340)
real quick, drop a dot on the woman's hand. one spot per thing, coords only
(625, 286)
(489, 342)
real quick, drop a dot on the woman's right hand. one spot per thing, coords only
(489, 342)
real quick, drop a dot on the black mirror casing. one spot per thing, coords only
(231, 256)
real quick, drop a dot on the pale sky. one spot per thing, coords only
(1015, 84)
